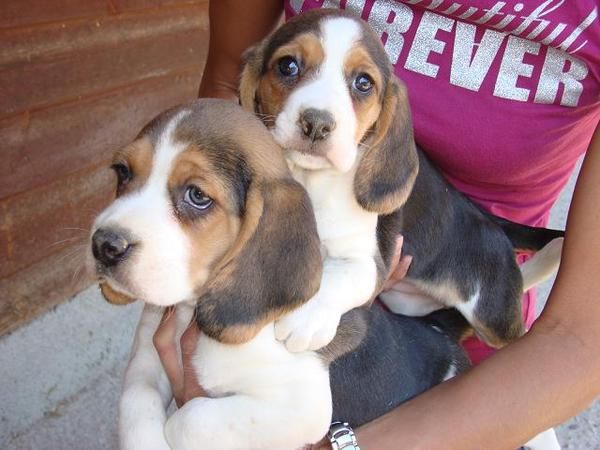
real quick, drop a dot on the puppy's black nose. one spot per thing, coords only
(316, 124)
(109, 247)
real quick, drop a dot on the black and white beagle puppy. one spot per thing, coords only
(323, 85)
(208, 218)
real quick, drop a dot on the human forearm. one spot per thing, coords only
(535, 383)
(234, 26)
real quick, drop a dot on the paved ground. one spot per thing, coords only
(61, 377)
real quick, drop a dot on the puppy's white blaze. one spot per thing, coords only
(339, 36)
(327, 91)
(159, 270)
(165, 152)
(164, 250)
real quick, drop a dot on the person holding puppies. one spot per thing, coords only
(504, 101)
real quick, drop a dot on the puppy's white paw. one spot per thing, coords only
(310, 327)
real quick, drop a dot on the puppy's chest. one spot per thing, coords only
(338, 214)
(259, 365)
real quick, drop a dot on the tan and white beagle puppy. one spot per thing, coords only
(323, 85)
(208, 218)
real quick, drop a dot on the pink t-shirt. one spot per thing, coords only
(505, 95)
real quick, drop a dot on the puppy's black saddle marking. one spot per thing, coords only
(456, 245)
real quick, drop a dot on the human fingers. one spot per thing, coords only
(189, 342)
(165, 345)
(400, 265)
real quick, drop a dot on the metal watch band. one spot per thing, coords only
(342, 436)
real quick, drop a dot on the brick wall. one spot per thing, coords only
(78, 79)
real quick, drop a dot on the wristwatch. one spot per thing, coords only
(342, 436)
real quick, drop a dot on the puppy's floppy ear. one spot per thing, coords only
(273, 267)
(250, 78)
(387, 170)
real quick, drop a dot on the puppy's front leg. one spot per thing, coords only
(296, 415)
(346, 284)
(146, 390)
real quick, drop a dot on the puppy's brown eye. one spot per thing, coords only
(363, 83)
(123, 174)
(196, 198)
(288, 67)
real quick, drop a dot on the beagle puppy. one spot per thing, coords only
(208, 218)
(323, 85)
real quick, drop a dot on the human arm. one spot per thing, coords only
(234, 26)
(549, 375)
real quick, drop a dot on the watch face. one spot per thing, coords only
(341, 436)
(337, 434)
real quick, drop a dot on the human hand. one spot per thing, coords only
(180, 372)
(400, 265)
(402, 296)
